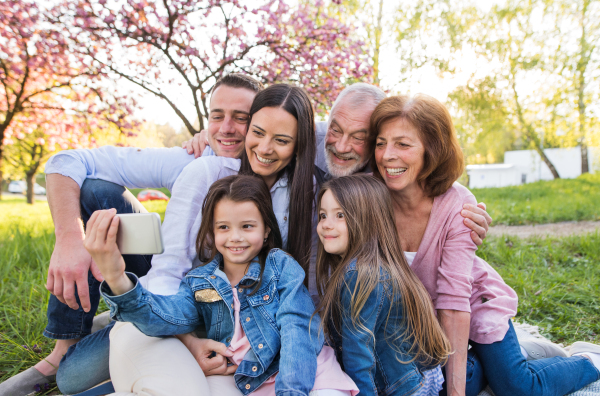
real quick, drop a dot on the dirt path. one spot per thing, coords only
(566, 228)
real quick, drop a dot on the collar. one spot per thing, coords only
(282, 182)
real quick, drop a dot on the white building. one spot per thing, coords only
(526, 166)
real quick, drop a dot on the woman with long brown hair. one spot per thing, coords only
(417, 155)
(374, 310)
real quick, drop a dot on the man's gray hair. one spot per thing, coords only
(358, 94)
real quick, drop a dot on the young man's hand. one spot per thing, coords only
(69, 266)
(101, 243)
(196, 144)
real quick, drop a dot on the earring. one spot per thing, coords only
(265, 240)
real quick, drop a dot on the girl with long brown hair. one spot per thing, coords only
(246, 291)
(374, 310)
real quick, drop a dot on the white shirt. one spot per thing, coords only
(410, 257)
(186, 178)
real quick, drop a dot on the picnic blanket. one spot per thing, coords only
(525, 331)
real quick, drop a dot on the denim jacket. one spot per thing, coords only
(275, 319)
(373, 364)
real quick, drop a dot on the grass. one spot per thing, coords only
(544, 201)
(557, 280)
(26, 243)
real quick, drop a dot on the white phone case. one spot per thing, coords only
(140, 233)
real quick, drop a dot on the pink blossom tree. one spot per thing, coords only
(158, 44)
(43, 84)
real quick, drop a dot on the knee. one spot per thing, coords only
(73, 377)
(100, 194)
(96, 191)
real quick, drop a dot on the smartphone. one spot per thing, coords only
(140, 233)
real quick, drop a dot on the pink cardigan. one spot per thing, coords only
(455, 277)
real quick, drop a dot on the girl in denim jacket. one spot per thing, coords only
(374, 309)
(249, 295)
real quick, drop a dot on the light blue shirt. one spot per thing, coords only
(187, 178)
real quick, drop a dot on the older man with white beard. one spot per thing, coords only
(342, 148)
(342, 145)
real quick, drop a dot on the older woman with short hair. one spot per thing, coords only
(417, 155)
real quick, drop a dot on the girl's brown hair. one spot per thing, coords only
(373, 241)
(237, 188)
(443, 162)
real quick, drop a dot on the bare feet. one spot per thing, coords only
(49, 366)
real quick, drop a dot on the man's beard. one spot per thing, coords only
(337, 170)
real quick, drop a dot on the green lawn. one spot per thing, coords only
(544, 201)
(558, 282)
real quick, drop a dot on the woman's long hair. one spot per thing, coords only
(373, 241)
(237, 188)
(300, 170)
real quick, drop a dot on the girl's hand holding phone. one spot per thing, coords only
(101, 243)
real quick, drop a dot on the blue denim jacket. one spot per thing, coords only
(275, 319)
(373, 364)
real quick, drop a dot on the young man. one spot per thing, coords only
(76, 188)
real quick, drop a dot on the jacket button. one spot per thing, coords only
(254, 368)
(247, 386)
(228, 339)
(248, 319)
(284, 218)
(265, 298)
(213, 277)
(231, 305)
(260, 346)
(240, 290)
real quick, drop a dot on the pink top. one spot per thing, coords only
(455, 277)
(329, 373)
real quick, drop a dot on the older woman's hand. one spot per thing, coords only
(478, 220)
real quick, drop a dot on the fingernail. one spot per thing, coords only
(113, 210)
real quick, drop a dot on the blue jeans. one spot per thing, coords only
(502, 366)
(86, 363)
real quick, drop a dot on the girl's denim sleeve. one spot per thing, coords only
(152, 314)
(358, 339)
(299, 345)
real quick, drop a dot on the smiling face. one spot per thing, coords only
(345, 142)
(271, 142)
(399, 154)
(239, 235)
(228, 119)
(332, 227)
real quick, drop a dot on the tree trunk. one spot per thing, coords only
(531, 135)
(581, 68)
(30, 192)
(547, 162)
(585, 167)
